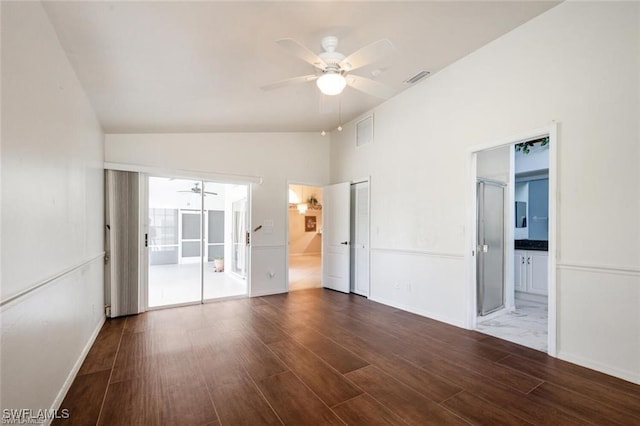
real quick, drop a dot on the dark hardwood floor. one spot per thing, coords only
(319, 357)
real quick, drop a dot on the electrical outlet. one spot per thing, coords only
(396, 285)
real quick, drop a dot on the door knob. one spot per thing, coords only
(345, 243)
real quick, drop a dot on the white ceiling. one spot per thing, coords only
(198, 66)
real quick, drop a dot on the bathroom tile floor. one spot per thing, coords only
(526, 325)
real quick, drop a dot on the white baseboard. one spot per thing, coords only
(76, 367)
(268, 293)
(420, 312)
(631, 376)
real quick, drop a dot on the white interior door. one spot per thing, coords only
(336, 231)
(360, 238)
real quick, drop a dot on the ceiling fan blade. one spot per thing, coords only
(210, 193)
(296, 49)
(370, 87)
(368, 54)
(290, 81)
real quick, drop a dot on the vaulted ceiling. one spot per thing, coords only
(199, 66)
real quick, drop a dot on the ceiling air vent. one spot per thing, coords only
(416, 78)
(364, 131)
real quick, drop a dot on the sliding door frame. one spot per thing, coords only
(144, 227)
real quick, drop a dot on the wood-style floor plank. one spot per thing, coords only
(331, 386)
(186, 402)
(130, 402)
(424, 354)
(84, 399)
(331, 352)
(295, 403)
(241, 402)
(364, 410)
(381, 354)
(323, 357)
(480, 412)
(403, 401)
(527, 407)
(616, 399)
(103, 352)
(581, 406)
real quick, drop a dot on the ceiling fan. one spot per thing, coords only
(334, 69)
(197, 190)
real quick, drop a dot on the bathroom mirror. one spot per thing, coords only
(521, 214)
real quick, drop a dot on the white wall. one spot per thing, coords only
(52, 212)
(577, 64)
(275, 157)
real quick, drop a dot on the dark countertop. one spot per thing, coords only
(531, 245)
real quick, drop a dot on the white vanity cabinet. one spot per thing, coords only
(530, 267)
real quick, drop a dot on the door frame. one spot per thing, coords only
(550, 130)
(143, 201)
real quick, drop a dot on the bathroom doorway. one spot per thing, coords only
(513, 266)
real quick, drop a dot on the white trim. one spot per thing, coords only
(57, 402)
(550, 130)
(185, 174)
(629, 375)
(599, 269)
(457, 256)
(270, 293)
(421, 312)
(12, 300)
(552, 293)
(174, 305)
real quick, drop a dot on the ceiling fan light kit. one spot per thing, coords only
(331, 83)
(335, 68)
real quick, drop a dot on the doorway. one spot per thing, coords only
(514, 240)
(305, 236)
(193, 227)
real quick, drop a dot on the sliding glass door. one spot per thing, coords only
(174, 240)
(189, 222)
(221, 277)
(239, 237)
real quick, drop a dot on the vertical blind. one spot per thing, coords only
(122, 242)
